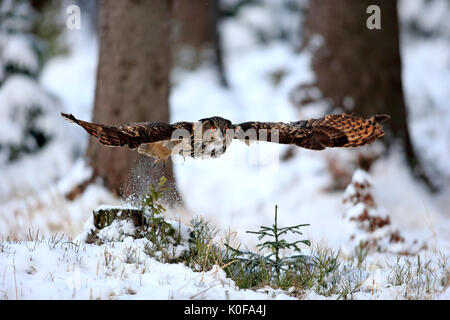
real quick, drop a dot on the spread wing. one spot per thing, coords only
(337, 130)
(131, 135)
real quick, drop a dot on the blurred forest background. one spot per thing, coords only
(172, 60)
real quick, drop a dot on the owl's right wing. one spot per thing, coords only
(131, 135)
(336, 130)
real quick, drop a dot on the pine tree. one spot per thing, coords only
(373, 229)
(425, 18)
(25, 106)
(273, 264)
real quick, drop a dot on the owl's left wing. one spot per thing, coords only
(130, 135)
(337, 130)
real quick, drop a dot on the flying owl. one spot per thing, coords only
(210, 137)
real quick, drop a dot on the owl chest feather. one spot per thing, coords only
(161, 151)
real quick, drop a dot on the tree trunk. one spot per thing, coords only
(132, 86)
(193, 19)
(359, 69)
(197, 24)
(216, 15)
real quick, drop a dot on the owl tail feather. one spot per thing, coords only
(107, 135)
(380, 118)
(365, 131)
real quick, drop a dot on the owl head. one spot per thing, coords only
(215, 139)
(216, 125)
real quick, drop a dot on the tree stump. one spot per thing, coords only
(104, 216)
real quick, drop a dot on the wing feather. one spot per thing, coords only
(337, 130)
(131, 135)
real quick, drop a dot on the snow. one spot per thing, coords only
(17, 96)
(109, 207)
(431, 16)
(18, 52)
(42, 270)
(236, 192)
(427, 85)
(77, 90)
(21, 21)
(361, 177)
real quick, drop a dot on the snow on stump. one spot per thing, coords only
(166, 241)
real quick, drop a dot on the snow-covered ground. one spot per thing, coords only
(63, 270)
(237, 191)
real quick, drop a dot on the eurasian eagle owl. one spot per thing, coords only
(210, 137)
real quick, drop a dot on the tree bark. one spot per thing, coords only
(359, 69)
(132, 85)
(193, 18)
(197, 26)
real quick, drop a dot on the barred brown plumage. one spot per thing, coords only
(211, 136)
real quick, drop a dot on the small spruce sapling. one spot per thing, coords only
(275, 244)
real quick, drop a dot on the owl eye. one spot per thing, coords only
(213, 128)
